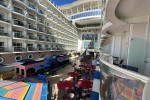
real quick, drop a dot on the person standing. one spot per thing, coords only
(94, 55)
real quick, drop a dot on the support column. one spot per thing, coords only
(71, 11)
(25, 73)
(90, 5)
(77, 9)
(19, 71)
(83, 7)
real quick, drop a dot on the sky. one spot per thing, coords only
(62, 2)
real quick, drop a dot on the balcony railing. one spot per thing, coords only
(121, 80)
(48, 48)
(41, 21)
(18, 35)
(4, 49)
(48, 40)
(19, 49)
(18, 10)
(22, 1)
(32, 37)
(53, 48)
(32, 6)
(41, 11)
(18, 22)
(43, 3)
(48, 32)
(41, 39)
(2, 3)
(53, 41)
(41, 49)
(31, 17)
(32, 27)
(95, 12)
(41, 30)
(32, 49)
(4, 33)
(5, 18)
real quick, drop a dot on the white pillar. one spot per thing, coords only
(130, 36)
(19, 71)
(98, 4)
(25, 73)
(71, 11)
(77, 9)
(90, 5)
(83, 7)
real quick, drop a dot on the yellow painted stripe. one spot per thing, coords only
(24, 92)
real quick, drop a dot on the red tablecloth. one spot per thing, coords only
(82, 66)
(63, 85)
(73, 74)
(92, 66)
(85, 84)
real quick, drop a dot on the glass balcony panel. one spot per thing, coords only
(30, 26)
(18, 35)
(4, 49)
(31, 5)
(18, 22)
(118, 83)
(19, 49)
(18, 10)
(31, 16)
(31, 49)
(5, 18)
(3, 3)
(4, 33)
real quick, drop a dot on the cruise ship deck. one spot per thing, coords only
(81, 50)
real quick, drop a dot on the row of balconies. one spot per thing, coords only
(22, 49)
(30, 26)
(21, 11)
(32, 48)
(33, 37)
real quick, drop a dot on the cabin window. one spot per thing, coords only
(1, 60)
(17, 58)
(30, 56)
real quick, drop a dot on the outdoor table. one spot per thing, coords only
(63, 85)
(73, 74)
(92, 66)
(82, 66)
(85, 84)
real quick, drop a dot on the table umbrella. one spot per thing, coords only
(73, 74)
(63, 85)
(85, 84)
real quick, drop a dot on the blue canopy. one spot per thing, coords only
(46, 65)
(25, 60)
(1, 65)
(38, 68)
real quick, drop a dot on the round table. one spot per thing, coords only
(85, 84)
(73, 74)
(64, 85)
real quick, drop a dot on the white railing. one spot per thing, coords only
(106, 60)
(113, 71)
